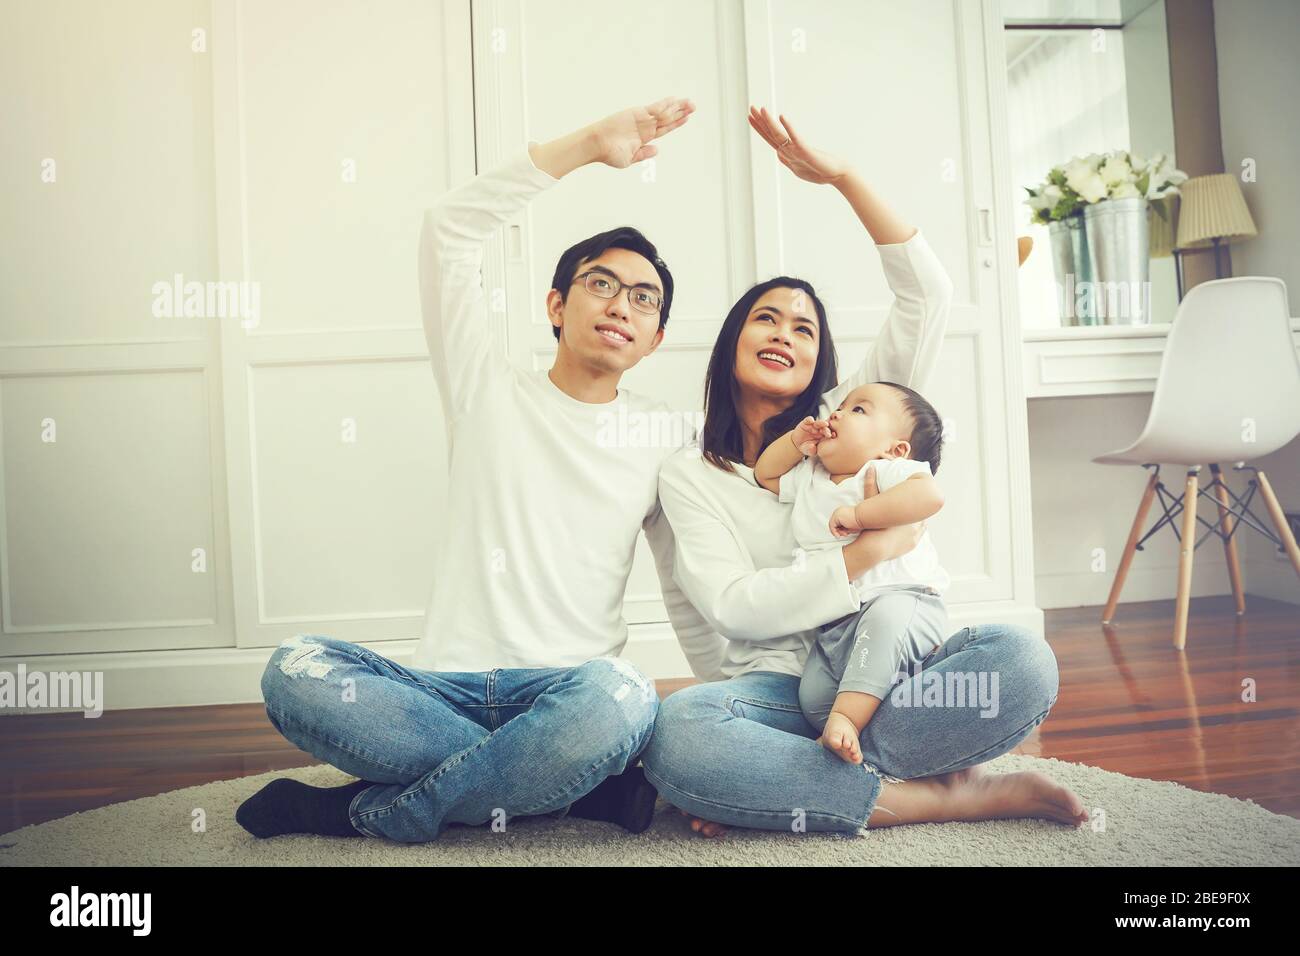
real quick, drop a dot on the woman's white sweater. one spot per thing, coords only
(736, 556)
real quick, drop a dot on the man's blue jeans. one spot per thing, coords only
(741, 752)
(465, 748)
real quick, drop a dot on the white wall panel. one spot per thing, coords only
(349, 484)
(343, 137)
(123, 112)
(341, 125)
(102, 522)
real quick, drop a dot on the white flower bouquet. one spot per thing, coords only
(1094, 178)
(1097, 209)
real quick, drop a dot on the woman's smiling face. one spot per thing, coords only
(776, 351)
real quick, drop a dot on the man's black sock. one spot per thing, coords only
(627, 799)
(287, 806)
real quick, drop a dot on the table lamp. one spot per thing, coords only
(1212, 212)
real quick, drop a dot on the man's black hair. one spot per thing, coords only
(624, 237)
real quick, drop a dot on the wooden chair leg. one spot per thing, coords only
(1185, 553)
(1279, 519)
(1230, 543)
(1129, 548)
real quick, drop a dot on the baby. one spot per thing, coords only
(870, 465)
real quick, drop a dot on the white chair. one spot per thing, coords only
(1228, 390)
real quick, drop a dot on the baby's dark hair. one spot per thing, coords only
(927, 426)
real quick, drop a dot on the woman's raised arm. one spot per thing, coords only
(908, 345)
(814, 166)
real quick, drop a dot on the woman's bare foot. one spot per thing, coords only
(704, 827)
(974, 794)
(840, 737)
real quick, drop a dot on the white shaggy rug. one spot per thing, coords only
(1147, 823)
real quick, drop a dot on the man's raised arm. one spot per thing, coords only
(456, 227)
(452, 235)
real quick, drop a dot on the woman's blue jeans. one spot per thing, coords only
(740, 751)
(444, 747)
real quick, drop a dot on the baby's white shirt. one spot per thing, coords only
(815, 496)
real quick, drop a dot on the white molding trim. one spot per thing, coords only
(492, 73)
(1104, 333)
(1014, 613)
(1273, 579)
(1014, 407)
(206, 677)
(1067, 589)
(764, 170)
(197, 678)
(737, 224)
(1097, 360)
(231, 242)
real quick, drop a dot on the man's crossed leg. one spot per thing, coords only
(436, 748)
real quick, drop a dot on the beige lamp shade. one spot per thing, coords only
(1212, 208)
(1162, 227)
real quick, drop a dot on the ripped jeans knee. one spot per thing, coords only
(303, 656)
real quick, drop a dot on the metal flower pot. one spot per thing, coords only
(1073, 265)
(1119, 245)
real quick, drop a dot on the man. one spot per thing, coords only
(520, 704)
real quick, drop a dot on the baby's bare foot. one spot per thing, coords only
(840, 737)
(707, 828)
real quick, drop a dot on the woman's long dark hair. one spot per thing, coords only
(722, 440)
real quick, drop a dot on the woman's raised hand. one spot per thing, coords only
(807, 163)
(624, 138)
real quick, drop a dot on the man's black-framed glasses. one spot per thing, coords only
(605, 286)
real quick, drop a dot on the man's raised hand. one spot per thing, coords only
(625, 137)
(618, 140)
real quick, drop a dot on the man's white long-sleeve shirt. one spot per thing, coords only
(543, 508)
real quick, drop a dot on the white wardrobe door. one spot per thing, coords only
(338, 125)
(112, 514)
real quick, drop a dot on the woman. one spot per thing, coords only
(739, 751)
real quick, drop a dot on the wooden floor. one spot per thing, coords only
(1129, 702)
